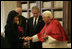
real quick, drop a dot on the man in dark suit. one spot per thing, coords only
(35, 24)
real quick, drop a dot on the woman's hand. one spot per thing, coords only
(28, 38)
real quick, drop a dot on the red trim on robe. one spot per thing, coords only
(54, 30)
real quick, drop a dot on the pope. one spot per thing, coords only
(52, 35)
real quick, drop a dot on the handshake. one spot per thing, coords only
(27, 38)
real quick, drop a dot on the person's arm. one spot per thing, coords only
(50, 39)
(35, 38)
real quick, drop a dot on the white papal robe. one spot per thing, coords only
(50, 42)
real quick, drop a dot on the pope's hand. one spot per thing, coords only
(45, 38)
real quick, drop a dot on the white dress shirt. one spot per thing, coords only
(36, 20)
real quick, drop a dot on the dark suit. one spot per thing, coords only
(32, 31)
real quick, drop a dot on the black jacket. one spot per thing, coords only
(32, 31)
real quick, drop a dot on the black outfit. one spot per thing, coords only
(4, 43)
(11, 29)
(12, 32)
(34, 30)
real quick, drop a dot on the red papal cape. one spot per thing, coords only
(54, 30)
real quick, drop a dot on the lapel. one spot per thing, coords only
(31, 23)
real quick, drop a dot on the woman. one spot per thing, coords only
(52, 35)
(13, 30)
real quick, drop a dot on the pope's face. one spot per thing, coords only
(35, 13)
(46, 19)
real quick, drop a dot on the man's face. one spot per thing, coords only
(46, 19)
(35, 13)
(19, 10)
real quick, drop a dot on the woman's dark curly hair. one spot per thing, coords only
(11, 16)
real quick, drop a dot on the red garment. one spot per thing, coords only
(54, 30)
(21, 29)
